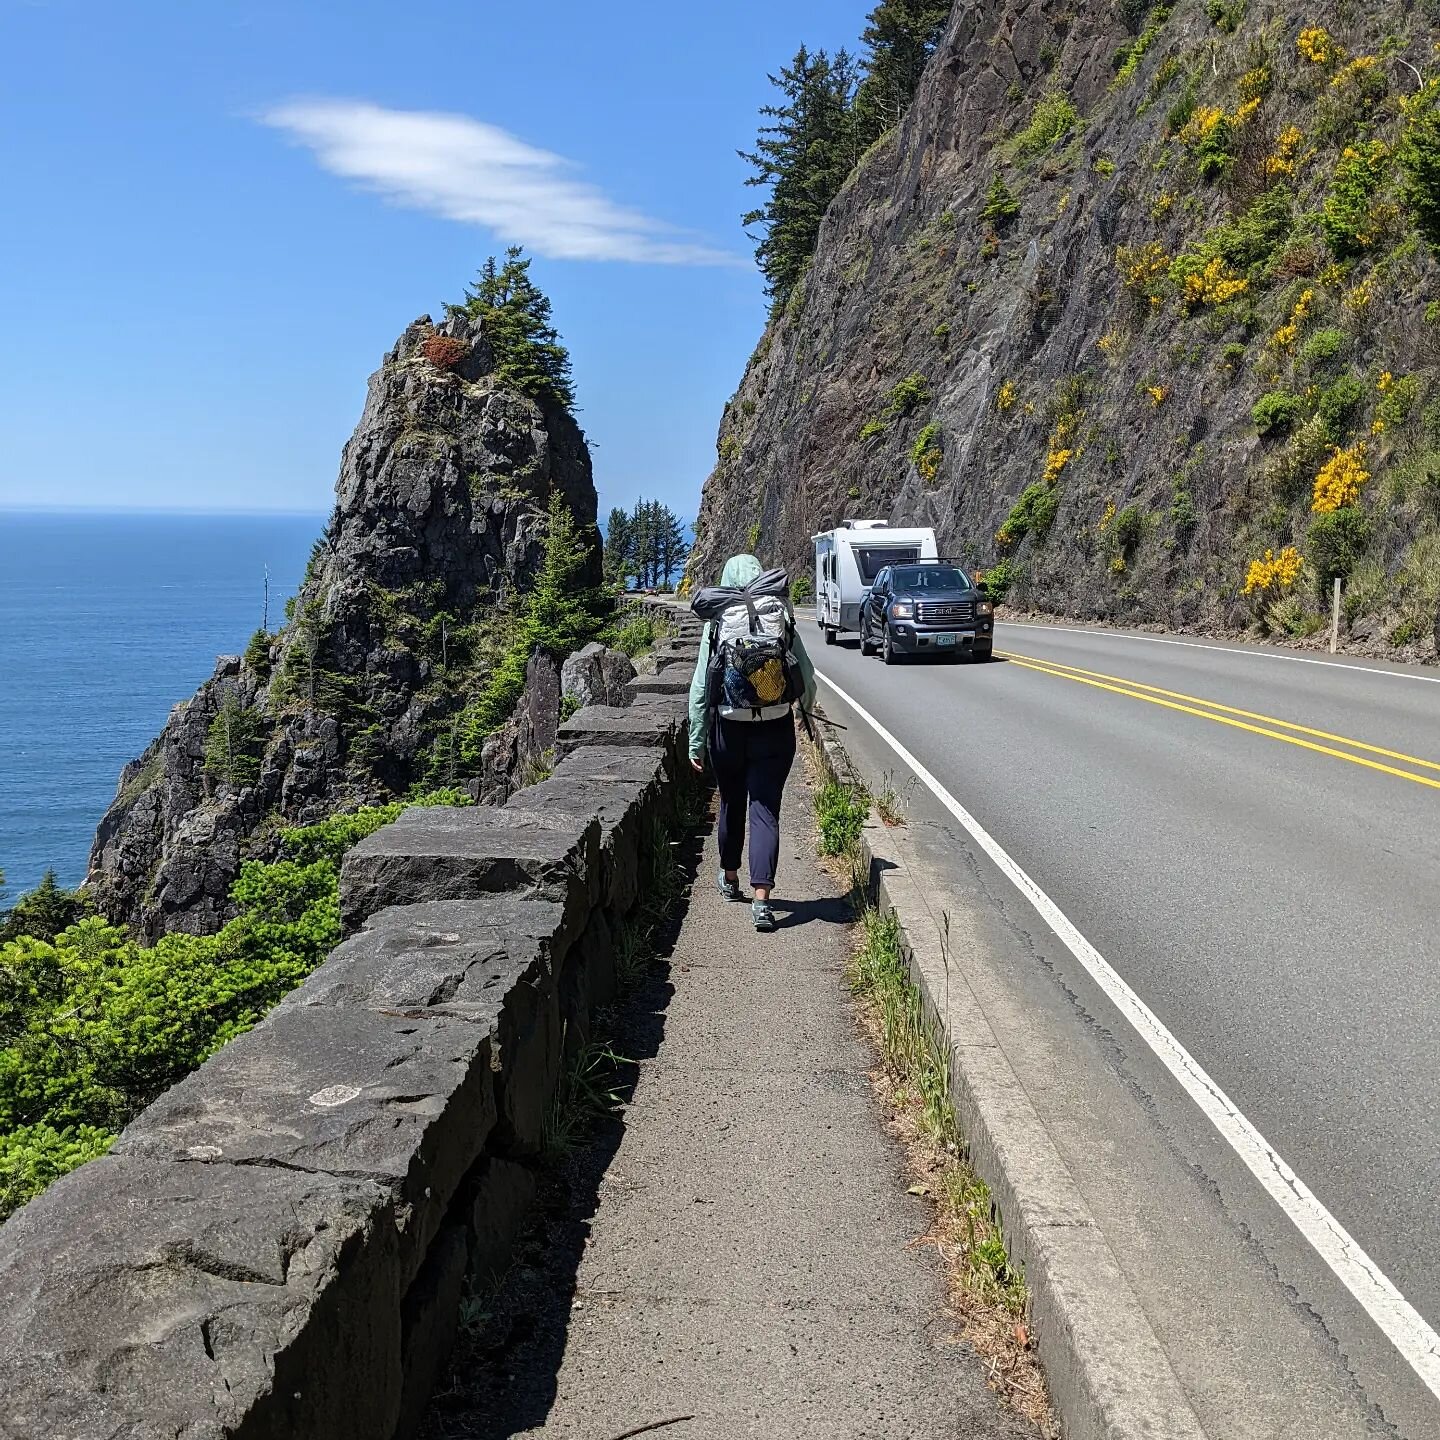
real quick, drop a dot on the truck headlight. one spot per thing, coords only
(985, 607)
(902, 610)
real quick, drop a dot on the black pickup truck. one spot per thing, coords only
(930, 606)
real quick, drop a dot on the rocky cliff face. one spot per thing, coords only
(439, 522)
(1043, 311)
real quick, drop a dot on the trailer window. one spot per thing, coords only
(873, 558)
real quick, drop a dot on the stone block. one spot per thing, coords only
(429, 1320)
(402, 1099)
(461, 853)
(619, 806)
(613, 762)
(596, 675)
(494, 963)
(149, 1300)
(673, 681)
(616, 725)
(503, 1191)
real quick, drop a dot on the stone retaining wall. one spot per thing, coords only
(277, 1246)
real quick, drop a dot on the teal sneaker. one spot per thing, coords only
(730, 889)
(762, 915)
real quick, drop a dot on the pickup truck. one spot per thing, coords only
(929, 607)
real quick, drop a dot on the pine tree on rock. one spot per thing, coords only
(899, 38)
(515, 316)
(617, 562)
(803, 158)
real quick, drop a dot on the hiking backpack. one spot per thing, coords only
(752, 665)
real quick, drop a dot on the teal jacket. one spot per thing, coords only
(739, 570)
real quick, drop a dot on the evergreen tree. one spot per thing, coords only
(899, 38)
(515, 316)
(617, 563)
(802, 158)
(43, 912)
(671, 547)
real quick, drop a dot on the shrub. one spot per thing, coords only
(1208, 135)
(34, 1156)
(1351, 219)
(840, 812)
(802, 588)
(1182, 512)
(1419, 156)
(1398, 394)
(1338, 402)
(1278, 411)
(1336, 541)
(1033, 513)
(1341, 478)
(1005, 396)
(927, 452)
(1053, 118)
(1273, 573)
(1000, 206)
(636, 635)
(1315, 45)
(1126, 529)
(1323, 345)
(871, 428)
(1225, 15)
(907, 395)
(1127, 58)
(445, 352)
(999, 579)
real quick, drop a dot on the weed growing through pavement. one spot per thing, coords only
(840, 811)
(891, 803)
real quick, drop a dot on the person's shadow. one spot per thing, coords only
(826, 909)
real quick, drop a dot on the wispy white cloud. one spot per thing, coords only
(478, 174)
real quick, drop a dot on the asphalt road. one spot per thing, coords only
(1252, 841)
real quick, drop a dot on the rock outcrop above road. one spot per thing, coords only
(439, 521)
(1138, 307)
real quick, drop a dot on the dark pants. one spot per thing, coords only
(751, 760)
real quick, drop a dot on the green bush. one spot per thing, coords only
(1419, 155)
(1000, 206)
(42, 913)
(1000, 578)
(927, 452)
(1278, 411)
(1338, 402)
(235, 742)
(1349, 218)
(34, 1156)
(1336, 542)
(1226, 15)
(907, 395)
(1183, 516)
(1053, 118)
(1033, 513)
(802, 588)
(840, 812)
(1323, 345)
(1126, 60)
(873, 427)
(1126, 530)
(637, 635)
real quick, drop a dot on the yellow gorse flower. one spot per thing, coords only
(1340, 479)
(1005, 395)
(1157, 394)
(1212, 285)
(1315, 45)
(1273, 572)
(1282, 160)
(1055, 462)
(1383, 383)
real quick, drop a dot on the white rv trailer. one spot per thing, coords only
(848, 559)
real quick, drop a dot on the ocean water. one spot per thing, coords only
(107, 622)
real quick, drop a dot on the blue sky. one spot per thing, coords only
(219, 215)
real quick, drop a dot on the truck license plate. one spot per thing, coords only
(955, 637)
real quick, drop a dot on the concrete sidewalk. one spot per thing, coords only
(749, 1260)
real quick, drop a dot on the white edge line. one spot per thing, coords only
(1222, 649)
(1401, 1323)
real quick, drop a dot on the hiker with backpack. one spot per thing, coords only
(751, 672)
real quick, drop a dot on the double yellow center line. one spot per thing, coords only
(1271, 728)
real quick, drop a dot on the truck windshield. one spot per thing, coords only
(872, 559)
(929, 577)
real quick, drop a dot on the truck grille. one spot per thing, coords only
(945, 612)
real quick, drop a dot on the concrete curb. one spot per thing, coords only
(1109, 1378)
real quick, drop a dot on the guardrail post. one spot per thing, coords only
(1335, 619)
